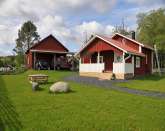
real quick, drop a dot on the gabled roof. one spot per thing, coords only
(126, 48)
(43, 40)
(113, 43)
(143, 45)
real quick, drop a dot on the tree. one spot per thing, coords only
(27, 36)
(1, 62)
(151, 28)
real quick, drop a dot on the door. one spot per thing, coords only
(108, 58)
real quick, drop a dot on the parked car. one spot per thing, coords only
(62, 63)
(42, 65)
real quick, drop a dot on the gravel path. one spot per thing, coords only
(111, 85)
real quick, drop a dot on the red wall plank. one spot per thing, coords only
(145, 67)
(127, 42)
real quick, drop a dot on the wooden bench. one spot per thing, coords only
(39, 78)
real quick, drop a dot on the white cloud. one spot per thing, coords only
(45, 14)
(36, 8)
(8, 35)
(89, 28)
(146, 2)
(53, 17)
(56, 25)
(53, 25)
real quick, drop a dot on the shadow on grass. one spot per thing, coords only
(153, 77)
(58, 93)
(50, 82)
(9, 119)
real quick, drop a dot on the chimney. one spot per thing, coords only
(133, 35)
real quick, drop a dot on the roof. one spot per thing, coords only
(49, 36)
(143, 45)
(122, 46)
(112, 42)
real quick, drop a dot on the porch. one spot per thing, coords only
(104, 64)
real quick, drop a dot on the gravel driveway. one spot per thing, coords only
(111, 85)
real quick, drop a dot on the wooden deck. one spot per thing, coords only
(101, 76)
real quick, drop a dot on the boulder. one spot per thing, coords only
(59, 87)
(35, 86)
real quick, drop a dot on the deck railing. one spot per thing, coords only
(92, 67)
(121, 68)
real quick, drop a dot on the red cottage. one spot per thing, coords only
(47, 50)
(121, 55)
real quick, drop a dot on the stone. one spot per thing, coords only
(35, 86)
(59, 87)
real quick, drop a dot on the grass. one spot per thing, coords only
(150, 83)
(87, 108)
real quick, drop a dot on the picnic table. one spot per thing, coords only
(39, 78)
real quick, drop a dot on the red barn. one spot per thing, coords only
(120, 55)
(48, 50)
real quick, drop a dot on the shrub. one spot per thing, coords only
(14, 71)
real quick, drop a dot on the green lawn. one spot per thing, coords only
(150, 82)
(86, 108)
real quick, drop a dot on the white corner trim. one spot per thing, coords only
(140, 48)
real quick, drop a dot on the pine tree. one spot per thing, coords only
(27, 37)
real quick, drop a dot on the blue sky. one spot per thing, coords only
(68, 20)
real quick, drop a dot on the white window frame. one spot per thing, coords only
(138, 61)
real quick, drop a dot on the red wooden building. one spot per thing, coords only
(121, 55)
(48, 50)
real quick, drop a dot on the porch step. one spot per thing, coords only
(105, 76)
(100, 76)
(89, 74)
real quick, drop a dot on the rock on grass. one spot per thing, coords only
(59, 87)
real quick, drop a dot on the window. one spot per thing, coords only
(101, 59)
(137, 62)
(119, 58)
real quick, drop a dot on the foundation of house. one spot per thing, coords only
(124, 76)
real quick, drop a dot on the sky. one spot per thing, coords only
(70, 21)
